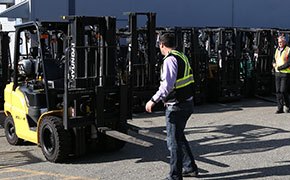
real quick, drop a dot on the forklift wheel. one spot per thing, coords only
(10, 132)
(55, 141)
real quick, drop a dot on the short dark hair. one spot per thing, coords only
(168, 39)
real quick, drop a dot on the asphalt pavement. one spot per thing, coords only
(239, 140)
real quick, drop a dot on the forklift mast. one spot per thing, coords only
(264, 54)
(5, 63)
(141, 61)
(92, 92)
(230, 66)
(143, 50)
(245, 53)
(223, 77)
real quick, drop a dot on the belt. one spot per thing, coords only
(173, 103)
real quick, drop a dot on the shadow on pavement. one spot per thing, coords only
(232, 106)
(282, 170)
(17, 158)
(223, 140)
(231, 140)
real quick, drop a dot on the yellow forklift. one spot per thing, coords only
(64, 93)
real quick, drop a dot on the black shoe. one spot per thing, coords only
(279, 111)
(190, 173)
(287, 110)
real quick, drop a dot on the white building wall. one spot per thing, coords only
(8, 26)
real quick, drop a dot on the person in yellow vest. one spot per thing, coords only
(282, 74)
(176, 92)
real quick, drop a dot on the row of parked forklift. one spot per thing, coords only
(74, 83)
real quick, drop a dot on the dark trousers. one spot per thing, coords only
(180, 152)
(282, 81)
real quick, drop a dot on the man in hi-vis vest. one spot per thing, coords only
(282, 74)
(176, 92)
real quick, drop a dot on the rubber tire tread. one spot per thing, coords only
(15, 140)
(62, 140)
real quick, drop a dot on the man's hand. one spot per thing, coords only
(149, 106)
(275, 66)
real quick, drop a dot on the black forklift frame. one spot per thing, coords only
(226, 80)
(263, 59)
(149, 30)
(5, 62)
(245, 53)
(40, 28)
(91, 75)
(230, 71)
(142, 70)
(199, 65)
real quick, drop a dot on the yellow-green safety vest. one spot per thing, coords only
(188, 76)
(281, 58)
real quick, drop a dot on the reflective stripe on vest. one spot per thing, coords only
(187, 77)
(282, 58)
(184, 81)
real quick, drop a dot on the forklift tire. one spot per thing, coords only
(10, 132)
(55, 141)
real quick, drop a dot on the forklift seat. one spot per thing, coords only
(54, 73)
